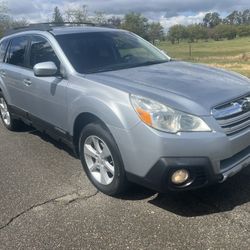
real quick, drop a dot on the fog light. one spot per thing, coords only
(180, 176)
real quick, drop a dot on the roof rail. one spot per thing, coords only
(49, 26)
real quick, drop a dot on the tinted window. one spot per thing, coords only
(103, 51)
(41, 51)
(3, 48)
(17, 51)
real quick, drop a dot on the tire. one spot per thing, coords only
(104, 167)
(7, 118)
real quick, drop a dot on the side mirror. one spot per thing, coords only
(45, 69)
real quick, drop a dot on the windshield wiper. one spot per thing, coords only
(124, 66)
(150, 63)
(107, 68)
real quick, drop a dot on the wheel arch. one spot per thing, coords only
(81, 121)
(111, 111)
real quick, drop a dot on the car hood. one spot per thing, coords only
(190, 87)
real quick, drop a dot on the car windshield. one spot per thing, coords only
(105, 51)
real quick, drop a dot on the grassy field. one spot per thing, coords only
(229, 54)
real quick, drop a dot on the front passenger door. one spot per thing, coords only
(49, 92)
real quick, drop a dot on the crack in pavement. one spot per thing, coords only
(63, 199)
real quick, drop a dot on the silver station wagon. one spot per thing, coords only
(129, 112)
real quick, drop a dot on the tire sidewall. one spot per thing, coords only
(119, 181)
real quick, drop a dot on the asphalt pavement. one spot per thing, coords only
(47, 202)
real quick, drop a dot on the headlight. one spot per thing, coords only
(164, 118)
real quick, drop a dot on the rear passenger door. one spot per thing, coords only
(12, 71)
(3, 49)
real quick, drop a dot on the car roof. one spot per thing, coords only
(71, 30)
(60, 29)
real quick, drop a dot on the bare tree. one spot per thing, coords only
(15, 23)
(100, 17)
(77, 14)
(115, 21)
(5, 19)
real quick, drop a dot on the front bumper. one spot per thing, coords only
(150, 156)
(200, 170)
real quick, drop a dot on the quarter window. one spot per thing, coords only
(41, 51)
(17, 51)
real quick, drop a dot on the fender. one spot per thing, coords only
(111, 106)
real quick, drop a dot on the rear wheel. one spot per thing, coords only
(6, 116)
(101, 159)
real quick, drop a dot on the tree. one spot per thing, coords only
(57, 16)
(224, 31)
(136, 23)
(7, 22)
(235, 18)
(228, 31)
(115, 21)
(155, 31)
(194, 32)
(244, 30)
(176, 33)
(207, 19)
(203, 32)
(235, 24)
(246, 16)
(4, 11)
(5, 19)
(212, 19)
(100, 18)
(77, 15)
(15, 23)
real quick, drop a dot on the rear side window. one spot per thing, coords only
(41, 51)
(16, 55)
(3, 47)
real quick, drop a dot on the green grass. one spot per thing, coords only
(229, 54)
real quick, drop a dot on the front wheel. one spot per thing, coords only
(101, 159)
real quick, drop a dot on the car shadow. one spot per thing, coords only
(210, 200)
(24, 128)
(215, 199)
(45, 137)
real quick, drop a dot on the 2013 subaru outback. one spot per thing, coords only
(130, 112)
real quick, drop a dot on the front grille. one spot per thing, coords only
(234, 117)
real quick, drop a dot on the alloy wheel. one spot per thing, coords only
(4, 112)
(99, 160)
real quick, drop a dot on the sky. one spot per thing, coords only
(168, 12)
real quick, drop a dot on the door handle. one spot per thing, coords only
(2, 73)
(27, 82)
